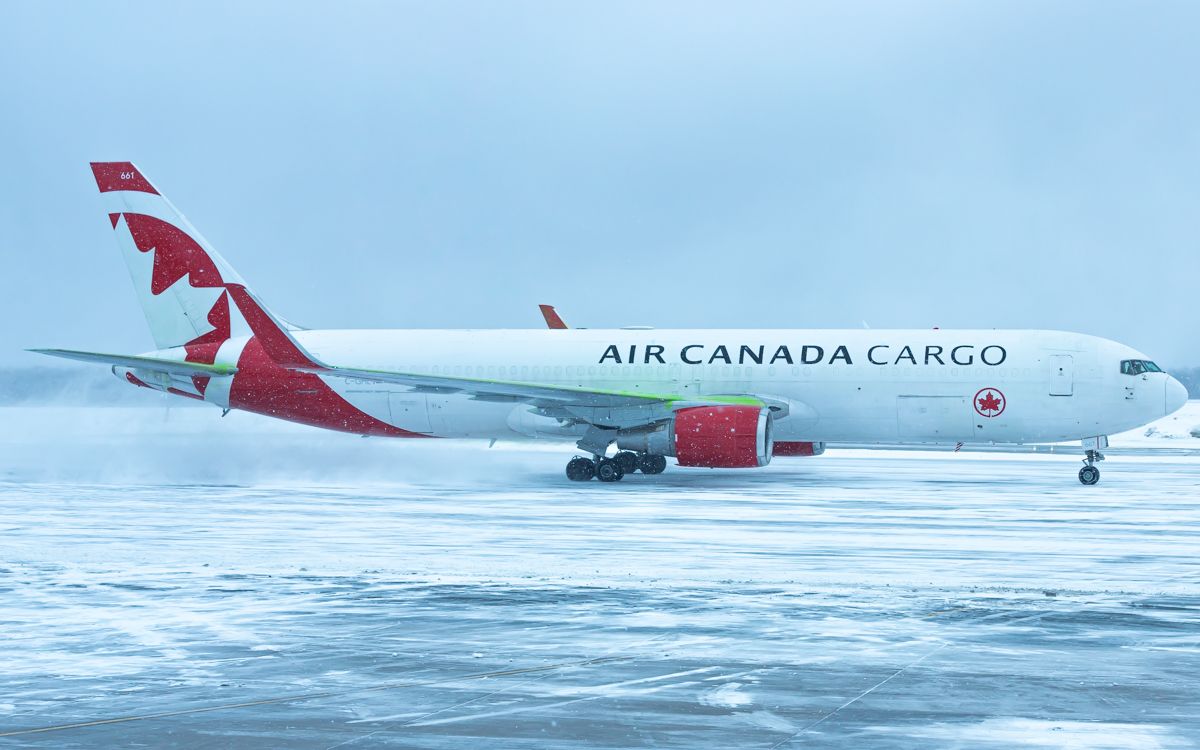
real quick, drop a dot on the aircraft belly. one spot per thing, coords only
(933, 419)
(364, 397)
(459, 416)
(409, 411)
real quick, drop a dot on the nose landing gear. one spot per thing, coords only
(1089, 474)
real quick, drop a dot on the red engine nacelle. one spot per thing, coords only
(727, 437)
(795, 448)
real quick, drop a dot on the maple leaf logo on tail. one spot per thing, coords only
(989, 402)
(179, 279)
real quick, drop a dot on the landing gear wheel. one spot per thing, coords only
(608, 470)
(580, 469)
(652, 464)
(628, 461)
(1089, 474)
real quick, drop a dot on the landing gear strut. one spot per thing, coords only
(1089, 474)
(580, 469)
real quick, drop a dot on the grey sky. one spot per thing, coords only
(1029, 165)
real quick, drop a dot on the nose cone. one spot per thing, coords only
(1175, 396)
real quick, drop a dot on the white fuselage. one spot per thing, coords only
(882, 386)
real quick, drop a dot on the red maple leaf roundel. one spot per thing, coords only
(989, 402)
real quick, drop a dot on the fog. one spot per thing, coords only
(1029, 165)
(168, 440)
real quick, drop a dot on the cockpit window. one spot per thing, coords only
(1138, 366)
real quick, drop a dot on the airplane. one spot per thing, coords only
(716, 398)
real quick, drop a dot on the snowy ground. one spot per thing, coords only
(317, 590)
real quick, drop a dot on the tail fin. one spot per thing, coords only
(180, 280)
(553, 320)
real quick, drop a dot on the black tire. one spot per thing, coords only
(628, 460)
(609, 470)
(652, 464)
(580, 469)
(1089, 475)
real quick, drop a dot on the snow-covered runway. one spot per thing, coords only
(218, 582)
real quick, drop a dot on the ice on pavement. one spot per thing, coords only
(155, 562)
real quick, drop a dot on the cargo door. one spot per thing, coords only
(934, 419)
(410, 411)
(1062, 375)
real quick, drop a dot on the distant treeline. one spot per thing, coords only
(97, 386)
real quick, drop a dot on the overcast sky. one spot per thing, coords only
(451, 165)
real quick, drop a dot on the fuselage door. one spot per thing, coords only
(1062, 375)
(410, 411)
(933, 419)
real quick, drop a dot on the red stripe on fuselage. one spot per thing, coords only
(273, 340)
(263, 387)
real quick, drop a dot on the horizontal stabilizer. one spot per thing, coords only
(171, 366)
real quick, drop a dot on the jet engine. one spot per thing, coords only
(727, 437)
(792, 448)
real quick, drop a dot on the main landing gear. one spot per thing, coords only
(580, 469)
(1089, 474)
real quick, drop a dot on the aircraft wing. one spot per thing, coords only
(169, 366)
(598, 407)
(601, 407)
